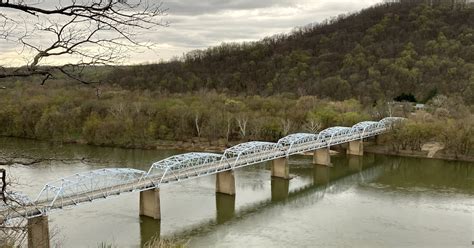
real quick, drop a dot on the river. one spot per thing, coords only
(372, 201)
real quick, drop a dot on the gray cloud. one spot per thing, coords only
(187, 7)
(200, 24)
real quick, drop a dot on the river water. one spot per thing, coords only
(373, 201)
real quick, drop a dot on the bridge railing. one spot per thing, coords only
(101, 181)
(181, 167)
(100, 184)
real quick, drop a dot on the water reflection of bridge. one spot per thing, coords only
(348, 172)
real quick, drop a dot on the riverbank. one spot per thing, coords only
(370, 147)
(385, 149)
(203, 145)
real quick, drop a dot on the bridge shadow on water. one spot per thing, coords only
(346, 172)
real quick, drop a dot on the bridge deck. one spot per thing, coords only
(95, 185)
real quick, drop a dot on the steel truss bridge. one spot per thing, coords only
(104, 183)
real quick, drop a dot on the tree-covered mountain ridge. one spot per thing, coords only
(417, 47)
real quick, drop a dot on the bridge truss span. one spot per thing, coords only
(102, 183)
(389, 122)
(366, 128)
(182, 166)
(335, 135)
(87, 186)
(292, 141)
(251, 153)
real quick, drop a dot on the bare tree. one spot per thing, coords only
(286, 126)
(313, 126)
(242, 123)
(12, 232)
(82, 33)
(229, 120)
(197, 116)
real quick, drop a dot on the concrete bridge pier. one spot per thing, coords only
(225, 182)
(356, 147)
(38, 232)
(280, 168)
(150, 203)
(322, 157)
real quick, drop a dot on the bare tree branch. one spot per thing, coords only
(84, 33)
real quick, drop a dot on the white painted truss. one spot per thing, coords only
(365, 127)
(297, 139)
(388, 122)
(250, 153)
(182, 166)
(333, 133)
(73, 189)
(100, 184)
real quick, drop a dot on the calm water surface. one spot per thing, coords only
(374, 201)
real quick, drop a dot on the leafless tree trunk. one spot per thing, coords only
(84, 33)
(286, 126)
(256, 129)
(242, 123)
(229, 128)
(313, 126)
(196, 123)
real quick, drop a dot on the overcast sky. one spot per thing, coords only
(200, 24)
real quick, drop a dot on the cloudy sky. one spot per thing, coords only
(200, 24)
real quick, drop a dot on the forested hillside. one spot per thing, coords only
(379, 53)
(332, 74)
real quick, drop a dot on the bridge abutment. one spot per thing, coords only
(356, 148)
(150, 203)
(225, 182)
(280, 168)
(38, 232)
(322, 157)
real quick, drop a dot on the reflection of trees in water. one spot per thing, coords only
(429, 174)
(45, 152)
(258, 185)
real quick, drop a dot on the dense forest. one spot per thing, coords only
(339, 72)
(378, 53)
(151, 119)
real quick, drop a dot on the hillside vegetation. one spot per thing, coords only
(379, 53)
(332, 74)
